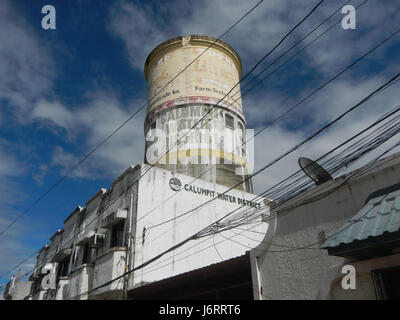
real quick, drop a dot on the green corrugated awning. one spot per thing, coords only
(378, 220)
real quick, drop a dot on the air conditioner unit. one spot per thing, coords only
(96, 240)
(114, 218)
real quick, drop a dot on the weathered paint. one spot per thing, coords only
(175, 106)
(290, 273)
(153, 190)
(212, 74)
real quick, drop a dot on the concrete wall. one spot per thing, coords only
(152, 240)
(40, 295)
(41, 258)
(19, 290)
(55, 242)
(282, 273)
(107, 263)
(62, 289)
(365, 289)
(81, 281)
(70, 225)
(109, 266)
(139, 200)
(287, 273)
(211, 151)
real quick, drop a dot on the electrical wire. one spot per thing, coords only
(120, 126)
(199, 233)
(364, 170)
(381, 119)
(383, 87)
(254, 67)
(296, 248)
(207, 170)
(295, 106)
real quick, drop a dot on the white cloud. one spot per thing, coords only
(13, 251)
(10, 168)
(97, 119)
(374, 23)
(334, 101)
(54, 112)
(11, 194)
(136, 27)
(39, 177)
(8, 165)
(26, 75)
(141, 28)
(26, 71)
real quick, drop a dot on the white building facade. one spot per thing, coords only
(134, 221)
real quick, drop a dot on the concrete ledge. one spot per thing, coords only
(85, 265)
(113, 249)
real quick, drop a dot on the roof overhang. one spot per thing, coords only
(370, 247)
(62, 255)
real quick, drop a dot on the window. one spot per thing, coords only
(86, 254)
(242, 132)
(151, 136)
(63, 268)
(81, 219)
(117, 234)
(229, 121)
(243, 144)
(222, 147)
(153, 127)
(37, 285)
(74, 257)
(387, 283)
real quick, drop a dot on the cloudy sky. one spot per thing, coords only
(62, 91)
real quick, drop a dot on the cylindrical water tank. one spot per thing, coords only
(215, 150)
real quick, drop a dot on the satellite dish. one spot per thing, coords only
(314, 170)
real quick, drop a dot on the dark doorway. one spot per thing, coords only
(387, 283)
(229, 280)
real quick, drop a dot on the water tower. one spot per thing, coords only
(216, 149)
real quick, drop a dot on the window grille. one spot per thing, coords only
(229, 121)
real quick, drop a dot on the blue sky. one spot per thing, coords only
(62, 91)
